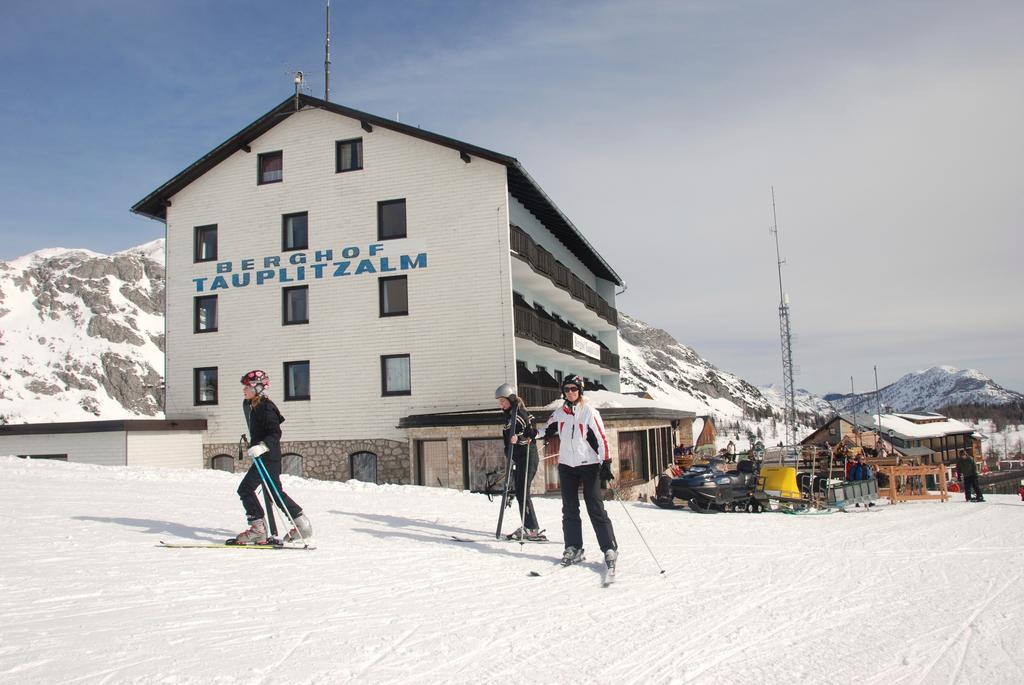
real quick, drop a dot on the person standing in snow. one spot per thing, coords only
(968, 472)
(583, 459)
(264, 420)
(518, 433)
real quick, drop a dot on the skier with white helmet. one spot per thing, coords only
(518, 433)
(264, 422)
(583, 459)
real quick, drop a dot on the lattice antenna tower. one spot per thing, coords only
(785, 333)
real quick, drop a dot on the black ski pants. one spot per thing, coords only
(524, 473)
(571, 478)
(252, 480)
(971, 483)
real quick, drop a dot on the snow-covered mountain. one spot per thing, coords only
(934, 389)
(653, 361)
(82, 335)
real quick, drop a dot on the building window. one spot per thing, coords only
(295, 231)
(291, 464)
(295, 305)
(204, 385)
(205, 319)
(396, 376)
(270, 167)
(223, 462)
(391, 219)
(432, 463)
(348, 155)
(206, 243)
(558, 376)
(296, 381)
(51, 457)
(394, 295)
(631, 455)
(364, 467)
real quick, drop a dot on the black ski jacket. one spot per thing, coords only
(521, 424)
(966, 467)
(264, 422)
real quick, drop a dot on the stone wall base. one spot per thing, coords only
(329, 459)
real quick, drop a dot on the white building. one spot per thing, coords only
(376, 271)
(131, 442)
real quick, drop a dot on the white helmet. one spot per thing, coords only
(504, 390)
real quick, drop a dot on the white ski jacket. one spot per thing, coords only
(581, 435)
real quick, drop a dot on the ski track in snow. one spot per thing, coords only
(914, 593)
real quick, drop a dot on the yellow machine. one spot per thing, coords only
(780, 482)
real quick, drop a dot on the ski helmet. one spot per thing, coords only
(573, 380)
(257, 380)
(505, 390)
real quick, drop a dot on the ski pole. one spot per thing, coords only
(504, 494)
(524, 477)
(265, 477)
(271, 521)
(243, 444)
(615, 491)
(508, 473)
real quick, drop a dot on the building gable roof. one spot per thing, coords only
(520, 184)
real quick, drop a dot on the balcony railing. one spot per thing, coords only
(530, 324)
(538, 395)
(545, 263)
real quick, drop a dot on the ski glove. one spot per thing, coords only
(606, 470)
(256, 450)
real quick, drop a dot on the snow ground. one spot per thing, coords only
(925, 592)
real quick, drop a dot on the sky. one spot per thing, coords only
(891, 133)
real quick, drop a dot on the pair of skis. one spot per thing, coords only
(274, 544)
(505, 538)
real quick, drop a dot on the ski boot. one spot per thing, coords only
(256, 534)
(304, 527)
(530, 535)
(571, 556)
(610, 557)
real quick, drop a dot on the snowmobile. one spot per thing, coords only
(708, 488)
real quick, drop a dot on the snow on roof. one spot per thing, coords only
(899, 424)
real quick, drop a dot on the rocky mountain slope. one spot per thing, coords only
(654, 362)
(82, 335)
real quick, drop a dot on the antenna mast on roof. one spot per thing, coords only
(327, 57)
(788, 388)
(298, 86)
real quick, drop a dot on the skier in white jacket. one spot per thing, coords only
(583, 459)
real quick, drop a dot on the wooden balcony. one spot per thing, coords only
(543, 262)
(552, 333)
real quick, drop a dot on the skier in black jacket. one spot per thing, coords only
(519, 432)
(968, 471)
(264, 422)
